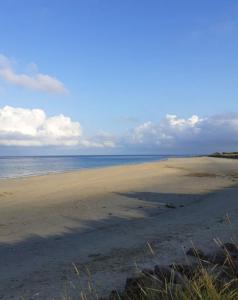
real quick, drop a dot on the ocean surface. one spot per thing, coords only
(12, 167)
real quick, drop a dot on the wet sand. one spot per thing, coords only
(101, 220)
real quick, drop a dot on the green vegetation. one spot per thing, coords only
(225, 154)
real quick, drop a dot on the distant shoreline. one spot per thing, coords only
(232, 155)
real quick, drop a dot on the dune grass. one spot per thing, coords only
(212, 276)
(204, 286)
(208, 281)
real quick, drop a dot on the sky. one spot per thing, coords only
(118, 77)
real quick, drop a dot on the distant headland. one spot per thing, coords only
(225, 155)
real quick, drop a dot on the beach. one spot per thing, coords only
(108, 222)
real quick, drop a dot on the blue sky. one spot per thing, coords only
(123, 63)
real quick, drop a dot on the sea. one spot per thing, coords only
(21, 166)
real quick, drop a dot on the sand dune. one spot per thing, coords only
(102, 219)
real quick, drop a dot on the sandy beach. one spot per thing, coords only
(101, 221)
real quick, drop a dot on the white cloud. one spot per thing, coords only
(31, 127)
(103, 140)
(166, 131)
(35, 81)
(219, 132)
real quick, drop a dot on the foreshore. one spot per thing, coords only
(102, 220)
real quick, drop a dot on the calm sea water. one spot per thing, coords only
(11, 167)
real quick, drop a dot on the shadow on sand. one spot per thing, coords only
(23, 258)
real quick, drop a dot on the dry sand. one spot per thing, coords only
(101, 220)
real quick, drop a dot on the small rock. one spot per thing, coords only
(115, 295)
(224, 274)
(196, 253)
(187, 270)
(217, 258)
(94, 255)
(162, 272)
(168, 274)
(134, 286)
(148, 272)
(133, 282)
(168, 205)
(230, 247)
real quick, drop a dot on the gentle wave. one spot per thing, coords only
(21, 166)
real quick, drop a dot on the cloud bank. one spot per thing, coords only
(32, 128)
(169, 131)
(192, 135)
(37, 81)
